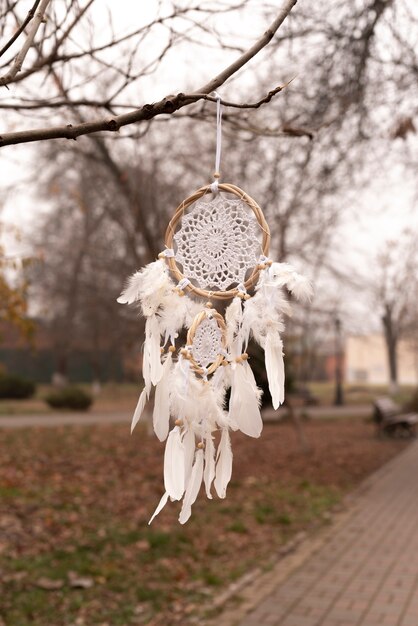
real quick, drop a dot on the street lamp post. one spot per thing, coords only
(339, 396)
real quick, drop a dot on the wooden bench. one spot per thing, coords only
(391, 421)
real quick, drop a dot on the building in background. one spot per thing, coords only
(366, 361)
(363, 360)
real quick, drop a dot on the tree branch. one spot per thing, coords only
(251, 52)
(109, 105)
(17, 64)
(166, 106)
(21, 28)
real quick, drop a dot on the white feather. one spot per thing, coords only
(152, 350)
(176, 311)
(156, 283)
(209, 473)
(139, 408)
(174, 465)
(250, 375)
(191, 309)
(160, 507)
(301, 288)
(220, 383)
(211, 403)
(161, 413)
(189, 443)
(233, 319)
(264, 312)
(220, 378)
(132, 289)
(244, 406)
(275, 368)
(148, 286)
(281, 274)
(146, 366)
(192, 488)
(223, 464)
(191, 397)
(153, 287)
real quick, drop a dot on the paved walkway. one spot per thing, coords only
(117, 417)
(366, 572)
(64, 419)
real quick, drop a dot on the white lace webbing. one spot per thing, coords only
(218, 243)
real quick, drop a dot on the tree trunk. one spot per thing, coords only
(391, 348)
(298, 426)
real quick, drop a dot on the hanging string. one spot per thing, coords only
(216, 175)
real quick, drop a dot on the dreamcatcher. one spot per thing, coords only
(216, 248)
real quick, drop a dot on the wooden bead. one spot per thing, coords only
(200, 445)
(247, 296)
(244, 356)
(209, 305)
(162, 350)
(172, 349)
(269, 262)
(216, 175)
(178, 422)
(161, 255)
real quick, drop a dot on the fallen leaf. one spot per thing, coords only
(79, 582)
(49, 584)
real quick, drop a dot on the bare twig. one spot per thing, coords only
(21, 28)
(245, 105)
(166, 106)
(20, 57)
(251, 52)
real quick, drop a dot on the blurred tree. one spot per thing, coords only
(396, 295)
(13, 293)
(89, 239)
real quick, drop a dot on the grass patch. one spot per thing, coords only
(237, 527)
(210, 577)
(293, 508)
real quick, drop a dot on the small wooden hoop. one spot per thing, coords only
(169, 235)
(190, 338)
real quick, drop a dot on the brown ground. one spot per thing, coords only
(75, 504)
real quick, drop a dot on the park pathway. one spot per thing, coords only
(122, 417)
(366, 572)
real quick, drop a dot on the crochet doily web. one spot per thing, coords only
(207, 342)
(218, 243)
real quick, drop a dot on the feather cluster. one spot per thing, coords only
(263, 319)
(190, 411)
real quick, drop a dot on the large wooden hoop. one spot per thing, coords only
(190, 338)
(170, 232)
